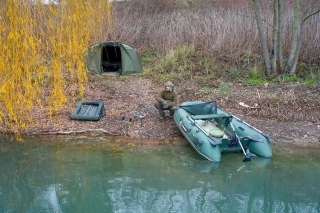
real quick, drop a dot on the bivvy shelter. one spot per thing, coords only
(113, 56)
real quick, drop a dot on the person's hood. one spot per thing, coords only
(170, 84)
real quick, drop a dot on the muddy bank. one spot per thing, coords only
(287, 112)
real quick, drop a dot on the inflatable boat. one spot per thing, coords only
(212, 131)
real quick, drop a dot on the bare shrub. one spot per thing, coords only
(226, 28)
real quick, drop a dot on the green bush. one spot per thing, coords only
(255, 76)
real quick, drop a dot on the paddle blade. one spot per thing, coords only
(246, 159)
(248, 156)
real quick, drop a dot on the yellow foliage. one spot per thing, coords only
(43, 46)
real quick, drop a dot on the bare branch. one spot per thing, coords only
(312, 14)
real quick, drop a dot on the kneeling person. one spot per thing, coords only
(167, 99)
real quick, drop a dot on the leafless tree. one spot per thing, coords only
(274, 60)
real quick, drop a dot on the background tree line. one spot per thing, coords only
(287, 34)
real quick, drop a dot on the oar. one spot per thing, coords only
(247, 153)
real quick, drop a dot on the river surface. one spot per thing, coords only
(83, 174)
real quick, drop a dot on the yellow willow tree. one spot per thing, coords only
(19, 67)
(43, 49)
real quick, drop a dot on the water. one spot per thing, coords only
(120, 175)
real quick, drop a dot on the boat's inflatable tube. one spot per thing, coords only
(88, 111)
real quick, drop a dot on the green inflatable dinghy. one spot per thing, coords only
(211, 131)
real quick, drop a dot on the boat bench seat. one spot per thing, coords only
(210, 128)
(207, 116)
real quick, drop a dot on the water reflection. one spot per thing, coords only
(112, 176)
(46, 200)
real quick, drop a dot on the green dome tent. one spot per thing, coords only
(113, 57)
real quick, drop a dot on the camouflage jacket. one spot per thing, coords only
(172, 97)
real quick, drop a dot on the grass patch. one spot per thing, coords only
(255, 76)
(207, 90)
(291, 78)
(187, 63)
(167, 77)
(170, 65)
(314, 75)
(234, 73)
(224, 89)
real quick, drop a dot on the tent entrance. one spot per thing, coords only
(114, 58)
(111, 58)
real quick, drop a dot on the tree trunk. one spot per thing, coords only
(274, 51)
(280, 51)
(295, 35)
(300, 36)
(263, 39)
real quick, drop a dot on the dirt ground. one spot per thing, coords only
(287, 112)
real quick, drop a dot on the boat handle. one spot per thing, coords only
(183, 127)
